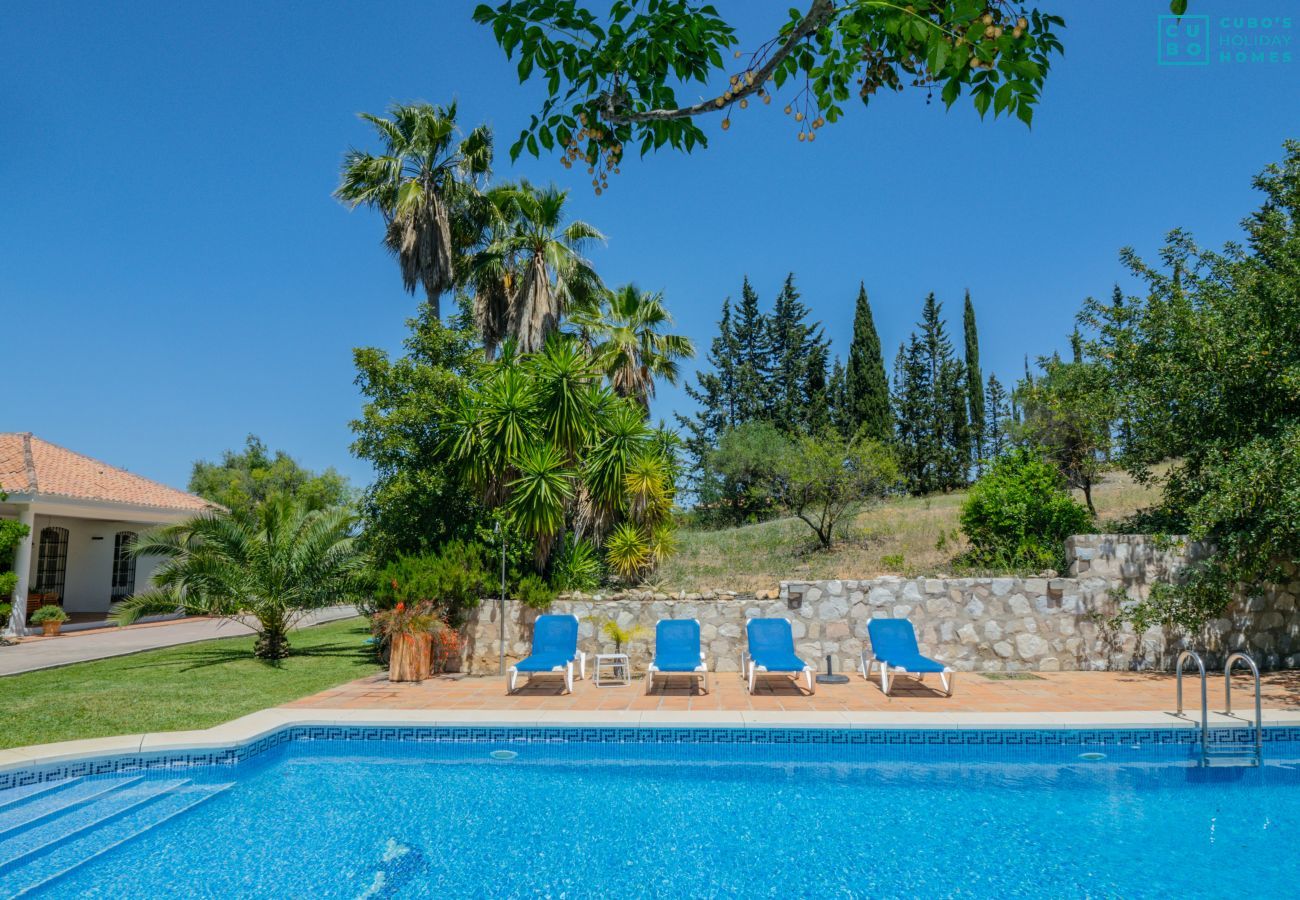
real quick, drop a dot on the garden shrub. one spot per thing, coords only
(454, 579)
(1020, 513)
(533, 591)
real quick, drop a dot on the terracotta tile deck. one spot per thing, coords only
(1050, 692)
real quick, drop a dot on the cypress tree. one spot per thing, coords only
(974, 381)
(866, 387)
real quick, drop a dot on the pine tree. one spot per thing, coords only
(913, 420)
(816, 414)
(953, 444)
(797, 364)
(866, 386)
(715, 392)
(995, 424)
(1076, 345)
(931, 402)
(974, 381)
(752, 348)
(838, 400)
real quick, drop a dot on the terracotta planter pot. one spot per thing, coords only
(411, 657)
(50, 629)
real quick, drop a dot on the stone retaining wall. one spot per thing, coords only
(1044, 623)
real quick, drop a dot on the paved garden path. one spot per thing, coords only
(46, 653)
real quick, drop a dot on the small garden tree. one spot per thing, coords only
(1019, 513)
(824, 478)
(268, 569)
(245, 479)
(1068, 412)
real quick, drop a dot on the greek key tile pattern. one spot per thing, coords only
(825, 745)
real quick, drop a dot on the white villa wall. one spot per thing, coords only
(88, 585)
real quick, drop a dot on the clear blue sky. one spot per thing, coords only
(174, 273)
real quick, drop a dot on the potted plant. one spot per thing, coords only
(618, 634)
(50, 618)
(409, 630)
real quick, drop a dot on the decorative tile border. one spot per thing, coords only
(372, 735)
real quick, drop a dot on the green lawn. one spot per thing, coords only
(193, 686)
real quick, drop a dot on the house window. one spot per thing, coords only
(123, 565)
(52, 561)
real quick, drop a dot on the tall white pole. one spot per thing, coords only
(501, 661)
(23, 568)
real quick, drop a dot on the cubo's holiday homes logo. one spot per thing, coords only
(1225, 40)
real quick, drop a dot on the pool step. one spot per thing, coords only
(171, 799)
(59, 801)
(11, 796)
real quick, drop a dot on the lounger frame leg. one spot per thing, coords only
(568, 676)
(753, 672)
(513, 677)
(884, 678)
(812, 685)
(649, 679)
(947, 678)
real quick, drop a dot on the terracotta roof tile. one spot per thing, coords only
(29, 465)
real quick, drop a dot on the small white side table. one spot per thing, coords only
(612, 668)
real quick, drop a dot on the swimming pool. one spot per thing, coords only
(413, 812)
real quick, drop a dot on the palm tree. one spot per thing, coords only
(271, 566)
(420, 184)
(630, 346)
(539, 256)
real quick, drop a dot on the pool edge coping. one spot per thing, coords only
(262, 723)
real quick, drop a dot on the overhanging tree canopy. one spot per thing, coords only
(612, 80)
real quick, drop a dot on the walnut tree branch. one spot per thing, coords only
(819, 14)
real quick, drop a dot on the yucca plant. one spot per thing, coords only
(540, 494)
(577, 566)
(267, 569)
(662, 543)
(647, 489)
(627, 552)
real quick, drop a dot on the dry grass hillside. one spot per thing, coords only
(912, 536)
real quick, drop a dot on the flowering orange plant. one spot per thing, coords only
(403, 619)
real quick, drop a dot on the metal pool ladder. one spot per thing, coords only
(1227, 753)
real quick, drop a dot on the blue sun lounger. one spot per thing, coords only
(677, 649)
(894, 649)
(771, 649)
(555, 648)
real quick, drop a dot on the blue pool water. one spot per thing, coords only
(366, 818)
